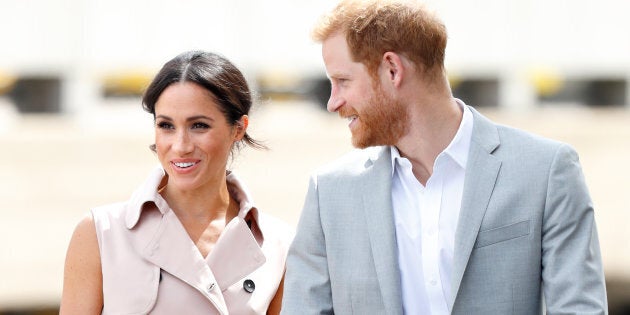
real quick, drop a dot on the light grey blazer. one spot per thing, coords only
(525, 233)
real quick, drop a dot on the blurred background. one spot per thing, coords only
(73, 134)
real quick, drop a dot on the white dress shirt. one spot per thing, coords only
(426, 219)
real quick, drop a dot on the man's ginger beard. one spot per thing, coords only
(383, 121)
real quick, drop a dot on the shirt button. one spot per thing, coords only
(210, 287)
(249, 286)
(433, 282)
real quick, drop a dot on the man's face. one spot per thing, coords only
(375, 118)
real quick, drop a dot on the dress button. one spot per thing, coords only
(249, 286)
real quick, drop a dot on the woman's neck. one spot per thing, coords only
(202, 205)
(203, 214)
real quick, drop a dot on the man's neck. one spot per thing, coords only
(433, 126)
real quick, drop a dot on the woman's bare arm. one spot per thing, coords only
(83, 280)
(276, 302)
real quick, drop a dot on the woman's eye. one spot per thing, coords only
(165, 125)
(199, 125)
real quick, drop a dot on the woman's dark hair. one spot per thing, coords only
(216, 74)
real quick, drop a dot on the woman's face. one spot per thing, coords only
(192, 137)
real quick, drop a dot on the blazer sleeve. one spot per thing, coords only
(307, 283)
(573, 277)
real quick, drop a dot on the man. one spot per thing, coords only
(443, 212)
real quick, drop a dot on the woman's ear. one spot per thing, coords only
(393, 67)
(241, 127)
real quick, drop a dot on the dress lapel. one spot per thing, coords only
(481, 174)
(230, 265)
(164, 242)
(161, 239)
(375, 185)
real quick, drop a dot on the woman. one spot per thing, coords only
(189, 240)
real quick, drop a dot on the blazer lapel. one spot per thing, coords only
(481, 174)
(163, 241)
(375, 185)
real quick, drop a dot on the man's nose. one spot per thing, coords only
(334, 102)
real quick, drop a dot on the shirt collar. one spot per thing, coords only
(148, 193)
(395, 155)
(459, 146)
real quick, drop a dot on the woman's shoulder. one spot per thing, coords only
(130, 209)
(275, 228)
(110, 211)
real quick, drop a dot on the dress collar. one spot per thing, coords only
(148, 193)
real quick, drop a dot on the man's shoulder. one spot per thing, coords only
(484, 129)
(527, 149)
(351, 163)
(511, 138)
(524, 140)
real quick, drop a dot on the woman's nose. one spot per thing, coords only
(183, 143)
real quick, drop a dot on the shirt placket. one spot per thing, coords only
(430, 210)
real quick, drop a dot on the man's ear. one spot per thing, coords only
(393, 68)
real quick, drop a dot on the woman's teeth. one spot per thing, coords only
(184, 165)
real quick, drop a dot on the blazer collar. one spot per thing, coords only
(375, 183)
(481, 175)
(485, 133)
